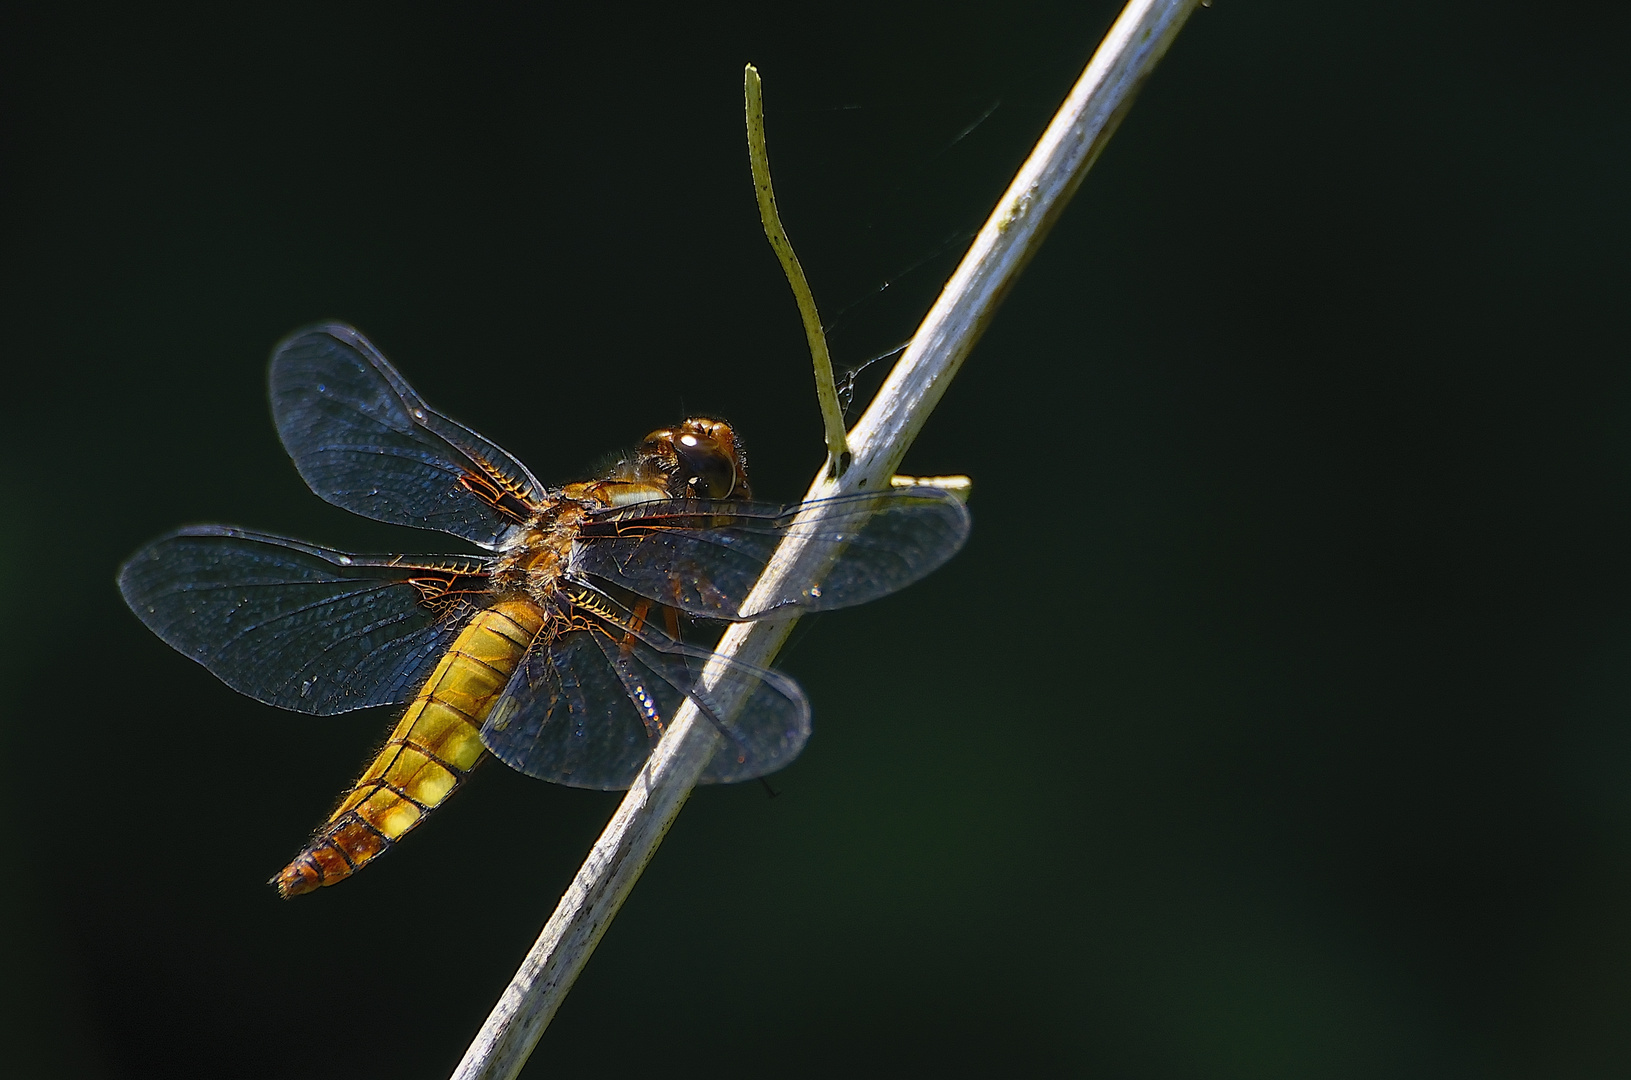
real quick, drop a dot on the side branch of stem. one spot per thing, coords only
(832, 415)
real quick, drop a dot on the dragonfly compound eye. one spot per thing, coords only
(707, 469)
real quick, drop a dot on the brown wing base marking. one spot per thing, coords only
(427, 757)
(498, 489)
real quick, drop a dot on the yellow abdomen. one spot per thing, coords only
(432, 750)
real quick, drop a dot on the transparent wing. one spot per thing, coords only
(298, 626)
(587, 705)
(364, 440)
(704, 557)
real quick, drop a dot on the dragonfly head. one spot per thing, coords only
(699, 459)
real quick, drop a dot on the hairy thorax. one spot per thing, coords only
(534, 558)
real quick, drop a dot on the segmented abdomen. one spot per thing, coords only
(432, 750)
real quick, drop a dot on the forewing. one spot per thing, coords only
(706, 557)
(364, 440)
(298, 626)
(586, 707)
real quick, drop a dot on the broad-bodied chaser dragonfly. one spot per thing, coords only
(561, 649)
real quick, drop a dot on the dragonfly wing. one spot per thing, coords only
(587, 706)
(298, 626)
(364, 440)
(706, 557)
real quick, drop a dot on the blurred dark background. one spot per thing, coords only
(1275, 723)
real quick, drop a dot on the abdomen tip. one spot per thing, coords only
(295, 879)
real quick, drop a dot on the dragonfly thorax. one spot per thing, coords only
(536, 554)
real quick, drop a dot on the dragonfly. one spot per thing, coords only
(564, 647)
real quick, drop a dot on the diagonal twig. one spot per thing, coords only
(1074, 139)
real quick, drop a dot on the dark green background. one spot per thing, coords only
(1276, 722)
